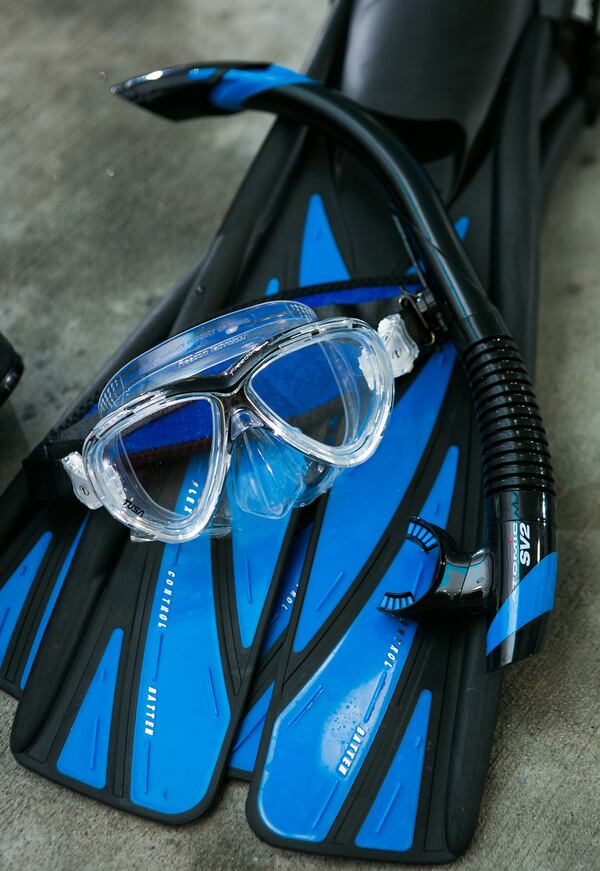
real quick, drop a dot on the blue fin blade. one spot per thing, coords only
(321, 740)
(84, 755)
(182, 688)
(15, 591)
(245, 748)
(390, 823)
(183, 709)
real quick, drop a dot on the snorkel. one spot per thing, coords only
(512, 575)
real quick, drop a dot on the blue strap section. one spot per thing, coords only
(84, 755)
(52, 602)
(237, 86)
(350, 296)
(531, 598)
(187, 423)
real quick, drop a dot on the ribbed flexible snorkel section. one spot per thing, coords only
(513, 439)
(518, 482)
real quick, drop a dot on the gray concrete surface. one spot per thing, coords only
(100, 209)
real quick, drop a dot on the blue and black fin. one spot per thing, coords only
(370, 715)
(149, 656)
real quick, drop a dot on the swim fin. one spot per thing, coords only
(125, 630)
(378, 731)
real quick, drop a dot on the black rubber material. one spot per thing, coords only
(11, 368)
(430, 72)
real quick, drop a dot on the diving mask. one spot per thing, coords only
(260, 407)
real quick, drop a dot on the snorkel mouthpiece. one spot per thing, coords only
(447, 578)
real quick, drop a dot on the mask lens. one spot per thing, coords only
(327, 389)
(164, 460)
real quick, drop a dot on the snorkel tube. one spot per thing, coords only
(513, 576)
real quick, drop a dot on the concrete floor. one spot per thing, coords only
(102, 208)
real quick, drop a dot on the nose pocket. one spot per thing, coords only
(267, 476)
(241, 420)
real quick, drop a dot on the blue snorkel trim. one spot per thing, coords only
(235, 86)
(531, 598)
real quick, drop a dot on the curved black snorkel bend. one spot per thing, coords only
(516, 583)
